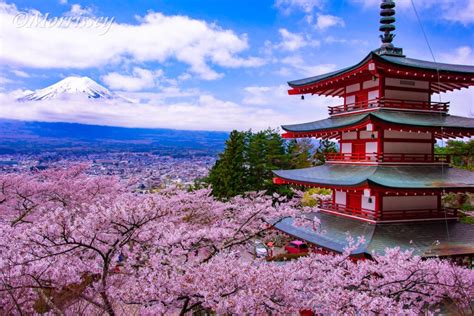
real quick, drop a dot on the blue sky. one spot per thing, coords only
(209, 64)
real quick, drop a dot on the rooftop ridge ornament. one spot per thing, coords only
(387, 18)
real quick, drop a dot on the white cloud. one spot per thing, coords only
(256, 95)
(461, 11)
(461, 102)
(20, 73)
(297, 111)
(5, 80)
(77, 10)
(333, 40)
(463, 55)
(201, 112)
(63, 2)
(325, 21)
(139, 79)
(307, 6)
(196, 43)
(293, 41)
(261, 107)
(307, 69)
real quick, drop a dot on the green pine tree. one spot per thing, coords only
(301, 153)
(228, 176)
(325, 147)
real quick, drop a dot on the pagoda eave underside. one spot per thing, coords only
(380, 178)
(332, 84)
(443, 126)
(427, 239)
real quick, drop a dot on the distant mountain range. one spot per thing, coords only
(72, 86)
(34, 137)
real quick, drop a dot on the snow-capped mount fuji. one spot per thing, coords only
(70, 87)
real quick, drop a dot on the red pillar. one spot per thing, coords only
(378, 204)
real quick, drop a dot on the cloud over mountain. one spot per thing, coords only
(28, 42)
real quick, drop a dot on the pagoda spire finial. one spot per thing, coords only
(387, 20)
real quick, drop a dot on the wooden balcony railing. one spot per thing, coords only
(344, 209)
(390, 158)
(389, 215)
(419, 214)
(390, 104)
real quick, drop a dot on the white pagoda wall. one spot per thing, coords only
(349, 135)
(404, 94)
(391, 203)
(371, 147)
(341, 197)
(368, 134)
(407, 95)
(407, 147)
(406, 135)
(366, 204)
(346, 148)
(369, 87)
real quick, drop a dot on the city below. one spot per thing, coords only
(150, 171)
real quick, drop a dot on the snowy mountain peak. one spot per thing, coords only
(70, 86)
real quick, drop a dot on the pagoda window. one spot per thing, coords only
(346, 148)
(420, 202)
(353, 88)
(350, 99)
(368, 203)
(374, 94)
(369, 134)
(371, 150)
(407, 95)
(407, 84)
(340, 197)
(370, 84)
(349, 135)
(407, 135)
(407, 148)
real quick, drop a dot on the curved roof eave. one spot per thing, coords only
(427, 65)
(327, 124)
(394, 60)
(315, 79)
(422, 120)
(328, 175)
(390, 177)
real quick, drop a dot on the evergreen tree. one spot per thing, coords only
(257, 161)
(228, 176)
(325, 147)
(249, 159)
(301, 153)
(462, 153)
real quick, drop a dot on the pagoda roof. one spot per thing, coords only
(392, 117)
(426, 239)
(398, 177)
(400, 61)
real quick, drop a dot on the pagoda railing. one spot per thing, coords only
(419, 214)
(389, 157)
(389, 215)
(347, 210)
(390, 104)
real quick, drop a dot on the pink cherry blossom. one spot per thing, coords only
(70, 244)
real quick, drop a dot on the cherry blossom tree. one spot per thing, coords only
(75, 244)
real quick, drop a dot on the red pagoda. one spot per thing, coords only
(386, 180)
